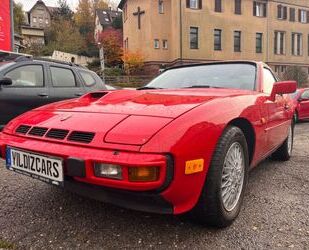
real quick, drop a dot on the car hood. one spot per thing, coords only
(119, 117)
(158, 103)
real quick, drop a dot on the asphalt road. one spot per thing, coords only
(275, 215)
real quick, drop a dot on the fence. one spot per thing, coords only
(128, 81)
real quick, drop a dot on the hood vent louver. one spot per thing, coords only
(83, 137)
(38, 131)
(58, 134)
(23, 129)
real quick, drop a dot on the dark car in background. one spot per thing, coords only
(301, 104)
(27, 83)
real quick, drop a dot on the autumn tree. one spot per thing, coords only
(64, 11)
(297, 74)
(111, 41)
(19, 17)
(63, 35)
(133, 62)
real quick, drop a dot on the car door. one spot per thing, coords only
(277, 122)
(28, 90)
(303, 110)
(91, 81)
(65, 83)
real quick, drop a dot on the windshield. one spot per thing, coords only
(228, 75)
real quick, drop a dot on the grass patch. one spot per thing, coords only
(6, 245)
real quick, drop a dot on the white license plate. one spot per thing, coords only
(42, 167)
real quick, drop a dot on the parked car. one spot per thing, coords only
(27, 83)
(184, 142)
(301, 103)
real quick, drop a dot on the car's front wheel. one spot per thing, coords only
(223, 192)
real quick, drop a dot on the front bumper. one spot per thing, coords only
(143, 201)
(80, 178)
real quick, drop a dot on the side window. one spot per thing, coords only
(27, 76)
(268, 82)
(305, 95)
(62, 77)
(88, 79)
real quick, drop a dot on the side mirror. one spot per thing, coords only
(6, 81)
(280, 88)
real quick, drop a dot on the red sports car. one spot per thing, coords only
(301, 103)
(184, 142)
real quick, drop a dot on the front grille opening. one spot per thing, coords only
(23, 129)
(38, 131)
(58, 134)
(79, 136)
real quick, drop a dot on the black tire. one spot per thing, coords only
(283, 153)
(210, 209)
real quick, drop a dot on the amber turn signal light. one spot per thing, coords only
(143, 174)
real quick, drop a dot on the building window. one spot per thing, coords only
(283, 68)
(282, 12)
(161, 7)
(46, 21)
(292, 14)
(193, 38)
(34, 19)
(40, 20)
(218, 5)
(164, 44)
(279, 47)
(259, 43)
(237, 41)
(194, 4)
(302, 16)
(238, 7)
(297, 44)
(217, 39)
(259, 9)
(156, 43)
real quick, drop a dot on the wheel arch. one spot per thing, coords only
(248, 130)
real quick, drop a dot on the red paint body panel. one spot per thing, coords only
(144, 126)
(301, 106)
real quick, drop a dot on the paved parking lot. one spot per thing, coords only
(275, 214)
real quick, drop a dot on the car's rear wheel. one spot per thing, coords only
(223, 192)
(284, 152)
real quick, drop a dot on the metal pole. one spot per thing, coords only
(12, 25)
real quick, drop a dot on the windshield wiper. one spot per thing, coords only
(201, 87)
(143, 88)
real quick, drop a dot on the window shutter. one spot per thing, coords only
(285, 13)
(279, 11)
(307, 16)
(200, 4)
(254, 8)
(299, 15)
(188, 3)
(265, 9)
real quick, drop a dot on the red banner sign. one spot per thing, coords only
(5, 25)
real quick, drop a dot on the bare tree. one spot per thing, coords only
(298, 74)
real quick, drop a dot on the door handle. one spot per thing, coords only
(43, 95)
(78, 94)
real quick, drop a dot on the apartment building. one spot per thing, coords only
(172, 32)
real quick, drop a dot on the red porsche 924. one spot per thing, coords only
(183, 143)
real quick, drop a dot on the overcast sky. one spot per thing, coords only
(27, 4)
